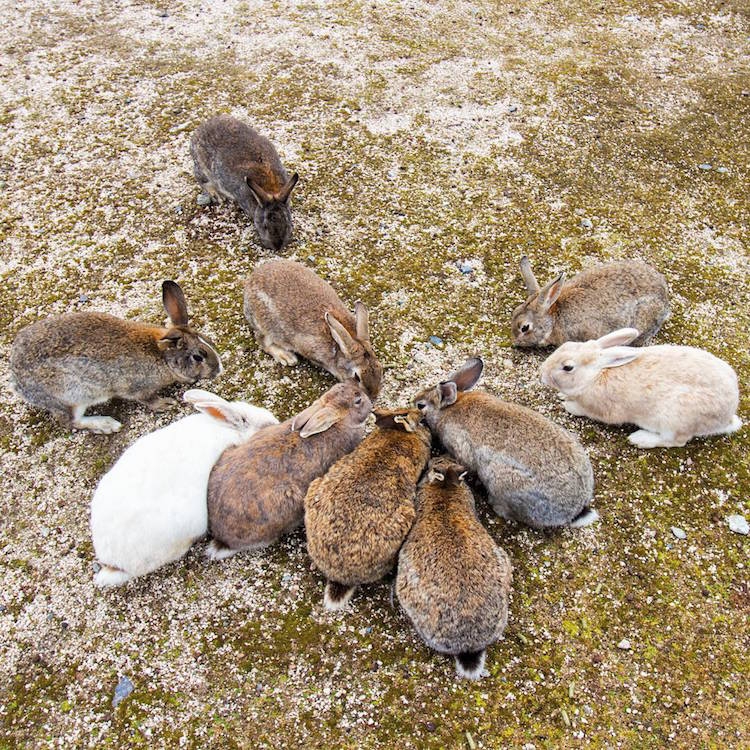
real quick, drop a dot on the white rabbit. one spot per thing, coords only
(151, 505)
(673, 393)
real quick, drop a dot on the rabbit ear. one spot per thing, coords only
(261, 196)
(323, 418)
(340, 335)
(196, 395)
(448, 393)
(532, 287)
(466, 377)
(619, 337)
(174, 338)
(362, 319)
(285, 192)
(614, 356)
(548, 296)
(223, 411)
(174, 303)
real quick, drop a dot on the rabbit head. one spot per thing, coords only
(345, 404)
(532, 322)
(407, 420)
(244, 418)
(355, 355)
(431, 400)
(188, 355)
(272, 217)
(574, 366)
(445, 470)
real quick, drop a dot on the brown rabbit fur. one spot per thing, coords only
(359, 513)
(256, 490)
(67, 363)
(293, 310)
(453, 580)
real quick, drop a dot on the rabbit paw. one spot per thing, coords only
(218, 551)
(98, 425)
(160, 404)
(108, 577)
(574, 408)
(282, 356)
(646, 439)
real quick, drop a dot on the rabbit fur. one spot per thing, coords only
(672, 393)
(150, 507)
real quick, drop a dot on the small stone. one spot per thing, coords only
(392, 174)
(437, 341)
(624, 645)
(586, 223)
(204, 199)
(513, 108)
(286, 578)
(465, 268)
(178, 209)
(83, 298)
(723, 170)
(124, 688)
(705, 166)
(430, 726)
(678, 532)
(738, 524)
(96, 567)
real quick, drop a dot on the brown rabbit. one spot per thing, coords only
(68, 363)
(232, 160)
(293, 310)
(453, 580)
(256, 490)
(359, 513)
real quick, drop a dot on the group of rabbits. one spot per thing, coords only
(369, 502)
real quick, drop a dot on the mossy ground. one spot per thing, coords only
(425, 134)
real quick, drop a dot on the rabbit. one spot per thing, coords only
(150, 507)
(595, 301)
(453, 581)
(358, 514)
(66, 364)
(534, 471)
(293, 310)
(672, 393)
(256, 491)
(232, 160)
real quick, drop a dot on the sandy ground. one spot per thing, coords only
(426, 135)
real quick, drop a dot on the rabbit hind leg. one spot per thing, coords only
(98, 425)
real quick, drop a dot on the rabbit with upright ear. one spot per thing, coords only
(453, 580)
(66, 364)
(534, 471)
(358, 514)
(256, 490)
(150, 507)
(232, 160)
(673, 393)
(292, 309)
(595, 301)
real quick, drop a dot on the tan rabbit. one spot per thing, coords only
(533, 470)
(592, 303)
(68, 363)
(232, 160)
(359, 513)
(453, 580)
(293, 310)
(256, 490)
(673, 393)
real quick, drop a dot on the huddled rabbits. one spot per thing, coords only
(453, 581)
(256, 490)
(673, 393)
(232, 160)
(358, 514)
(593, 302)
(534, 471)
(150, 507)
(292, 309)
(66, 364)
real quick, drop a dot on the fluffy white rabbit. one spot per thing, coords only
(673, 393)
(151, 505)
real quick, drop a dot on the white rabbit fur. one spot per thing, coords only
(673, 393)
(151, 505)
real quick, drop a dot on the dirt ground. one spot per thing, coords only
(436, 143)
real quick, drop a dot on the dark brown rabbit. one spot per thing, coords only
(256, 490)
(232, 160)
(358, 514)
(68, 363)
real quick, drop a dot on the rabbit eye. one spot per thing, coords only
(356, 377)
(567, 368)
(358, 400)
(198, 357)
(526, 327)
(421, 404)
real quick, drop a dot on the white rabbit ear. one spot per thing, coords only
(549, 294)
(196, 395)
(620, 337)
(223, 411)
(615, 356)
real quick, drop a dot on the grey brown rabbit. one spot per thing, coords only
(256, 490)
(232, 160)
(358, 514)
(293, 310)
(453, 580)
(66, 364)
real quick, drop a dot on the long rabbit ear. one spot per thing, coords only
(340, 335)
(261, 196)
(320, 421)
(223, 412)
(619, 337)
(615, 356)
(174, 303)
(362, 319)
(532, 287)
(548, 296)
(197, 395)
(286, 191)
(466, 377)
